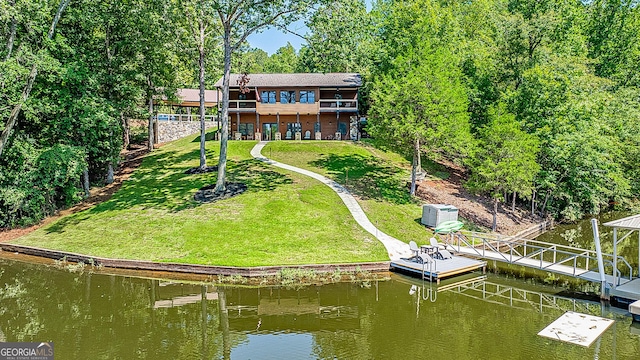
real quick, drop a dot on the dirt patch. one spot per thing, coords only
(132, 159)
(207, 193)
(477, 209)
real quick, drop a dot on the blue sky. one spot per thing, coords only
(271, 40)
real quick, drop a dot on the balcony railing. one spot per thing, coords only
(338, 105)
(242, 105)
(184, 117)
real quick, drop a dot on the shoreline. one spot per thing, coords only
(187, 269)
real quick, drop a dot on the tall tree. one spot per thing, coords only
(339, 40)
(283, 61)
(202, 11)
(505, 161)
(239, 19)
(421, 103)
(4, 136)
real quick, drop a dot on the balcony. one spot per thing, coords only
(335, 105)
(242, 106)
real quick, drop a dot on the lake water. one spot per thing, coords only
(101, 316)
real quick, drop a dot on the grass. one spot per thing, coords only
(282, 219)
(378, 179)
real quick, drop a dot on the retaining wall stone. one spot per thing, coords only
(174, 130)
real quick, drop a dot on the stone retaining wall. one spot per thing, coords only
(174, 130)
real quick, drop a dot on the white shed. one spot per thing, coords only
(435, 214)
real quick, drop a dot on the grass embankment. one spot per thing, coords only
(283, 218)
(377, 178)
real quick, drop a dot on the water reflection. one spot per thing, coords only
(117, 317)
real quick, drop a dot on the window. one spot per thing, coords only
(246, 129)
(287, 97)
(307, 97)
(242, 96)
(268, 97)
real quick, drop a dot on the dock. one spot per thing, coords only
(438, 269)
(560, 259)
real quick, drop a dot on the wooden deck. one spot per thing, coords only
(441, 269)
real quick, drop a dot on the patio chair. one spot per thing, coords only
(307, 135)
(415, 250)
(288, 135)
(444, 254)
(433, 242)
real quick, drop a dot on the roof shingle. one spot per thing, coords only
(298, 80)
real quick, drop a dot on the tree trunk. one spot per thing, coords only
(494, 225)
(533, 203)
(222, 163)
(126, 131)
(414, 166)
(513, 202)
(419, 170)
(544, 204)
(203, 158)
(4, 137)
(85, 183)
(12, 31)
(109, 179)
(151, 132)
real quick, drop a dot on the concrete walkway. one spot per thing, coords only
(395, 247)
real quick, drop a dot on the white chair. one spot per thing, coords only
(434, 243)
(444, 254)
(288, 135)
(415, 250)
(307, 135)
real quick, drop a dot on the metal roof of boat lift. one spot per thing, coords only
(631, 223)
(631, 289)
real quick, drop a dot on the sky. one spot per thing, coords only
(271, 39)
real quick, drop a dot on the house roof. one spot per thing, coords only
(298, 80)
(193, 95)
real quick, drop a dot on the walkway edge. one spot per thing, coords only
(190, 268)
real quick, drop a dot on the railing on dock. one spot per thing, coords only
(558, 258)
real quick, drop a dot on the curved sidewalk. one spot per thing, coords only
(395, 247)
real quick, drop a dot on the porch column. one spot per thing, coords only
(277, 122)
(318, 132)
(298, 119)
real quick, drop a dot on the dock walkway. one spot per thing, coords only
(560, 259)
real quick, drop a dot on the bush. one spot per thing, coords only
(35, 183)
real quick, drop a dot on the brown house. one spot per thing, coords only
(294, 106)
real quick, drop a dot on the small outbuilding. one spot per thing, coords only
(435, 214)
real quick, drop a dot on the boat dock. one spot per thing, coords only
(560, 259)
(437, 269)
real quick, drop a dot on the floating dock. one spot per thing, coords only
(438, 269)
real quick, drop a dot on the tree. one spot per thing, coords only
(283, 61)
(202, 10)
(421, 103)
(505, 160)
(4, 136)
(340, 38)
(239, 19)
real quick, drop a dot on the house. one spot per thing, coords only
(294, 106)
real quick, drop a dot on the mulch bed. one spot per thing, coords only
(197, 170)
(207, 193)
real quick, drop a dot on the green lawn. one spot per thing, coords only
(282, 219)
(378, 179)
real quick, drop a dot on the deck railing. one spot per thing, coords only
(184, 117)
(338, 104)
(240, 105)
(513, 250)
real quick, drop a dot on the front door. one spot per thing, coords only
(269, 131)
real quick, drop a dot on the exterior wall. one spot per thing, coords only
(329, 124)
(174, 130)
